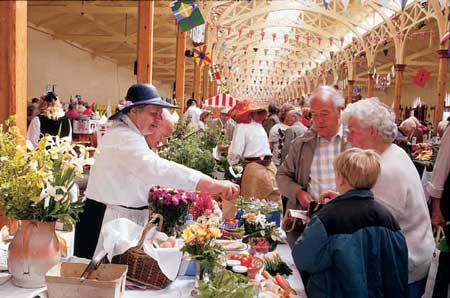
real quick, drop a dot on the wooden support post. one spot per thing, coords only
(180, 68)
(441, 86)
(370, 85)
(206, 82)
(13, 62)
(13, 72)
(399, 68)
(145, 42)
(213, 88)
(196, 81)
(350, 84)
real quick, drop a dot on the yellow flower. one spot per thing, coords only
(215, 232)
(187, 235)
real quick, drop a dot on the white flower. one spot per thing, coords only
(3, 158)
(73, 193)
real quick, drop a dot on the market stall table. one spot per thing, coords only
(180, 288)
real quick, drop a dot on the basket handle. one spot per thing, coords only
(148, 227)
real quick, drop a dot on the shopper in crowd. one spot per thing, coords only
(224, 122)
(272, 118)
(371, 125)
(442, 125)
(306, 117)
(32, 110)
(296, 129)
(72, 112)
(250, 145)
(165, 131)
(205, 118)
(192, 114)
(277, 133)
(51, 120)
(126, 168)
(308, 170)
(439, 190)
(353, 247)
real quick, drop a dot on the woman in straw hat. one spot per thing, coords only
(250, 144)
(125, 169)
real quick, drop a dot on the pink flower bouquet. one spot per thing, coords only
(172, 204)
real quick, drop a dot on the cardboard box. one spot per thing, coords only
(108, 281)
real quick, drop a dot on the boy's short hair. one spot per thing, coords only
(359, 167)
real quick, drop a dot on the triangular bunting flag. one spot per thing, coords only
(403, 3)
(201, 55)
(345, 3)
(187, 14)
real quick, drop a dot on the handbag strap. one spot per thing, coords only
(148, 227)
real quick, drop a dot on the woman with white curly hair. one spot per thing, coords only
(371, 125)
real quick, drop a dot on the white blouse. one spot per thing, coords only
(125, 169)
(249, 140)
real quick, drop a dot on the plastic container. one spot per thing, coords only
(231, 263)
(240, 269)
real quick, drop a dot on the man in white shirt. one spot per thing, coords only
(125, 169)
(192, 114)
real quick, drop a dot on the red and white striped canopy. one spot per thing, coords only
(220, 101)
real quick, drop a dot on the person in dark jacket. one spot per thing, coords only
(353, 247)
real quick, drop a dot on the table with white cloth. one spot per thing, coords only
(180, 288)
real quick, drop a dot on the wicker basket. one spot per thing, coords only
(143, 269)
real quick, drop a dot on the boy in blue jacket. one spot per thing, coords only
(353, 247)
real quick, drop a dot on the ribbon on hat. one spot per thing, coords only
(128, 103)
(124, 104)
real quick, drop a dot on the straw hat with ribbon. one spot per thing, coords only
(141, 95)
(241, 112)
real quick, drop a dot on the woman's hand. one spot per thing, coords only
(223, 188)
(327, 196)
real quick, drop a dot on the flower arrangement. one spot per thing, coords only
(206, 210)
(172, 204)
(199, 243)
(39, 184)
(256, 225)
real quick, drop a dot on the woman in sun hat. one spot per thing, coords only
(251, 145)
(126, 168)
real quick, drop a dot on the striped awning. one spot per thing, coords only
(220, 101)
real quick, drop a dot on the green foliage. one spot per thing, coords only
(39, 184)
(190, 148)
(274, 264)
(226, 284)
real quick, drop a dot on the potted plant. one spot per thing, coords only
(37, 186)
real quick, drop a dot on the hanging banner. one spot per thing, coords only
(422, 77)
(187, 14)
(201, 55)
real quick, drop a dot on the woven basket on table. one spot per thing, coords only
(143, 269)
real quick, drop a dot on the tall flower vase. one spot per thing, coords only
(203, 272)
(32, 252)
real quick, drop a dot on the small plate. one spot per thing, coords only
(232, 245)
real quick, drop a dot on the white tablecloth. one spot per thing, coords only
(180, 288)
